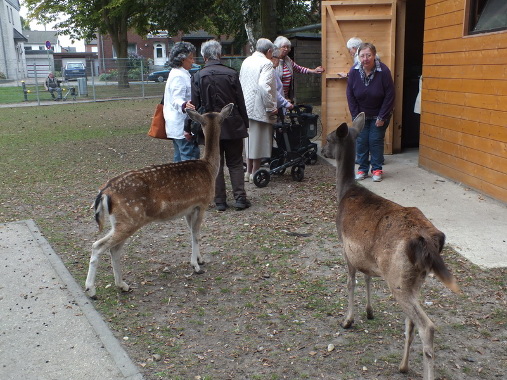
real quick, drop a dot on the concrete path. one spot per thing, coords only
(48, 328)
(474, 225)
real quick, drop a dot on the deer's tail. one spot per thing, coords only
(426, 253)
(101, 206)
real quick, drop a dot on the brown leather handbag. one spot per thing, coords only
(157, 128)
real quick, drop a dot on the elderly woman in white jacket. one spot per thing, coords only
(259, 90)
(176, 97)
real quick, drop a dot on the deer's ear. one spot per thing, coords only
(227, 110)
(342, 130)
(358, 123)
(195, 116)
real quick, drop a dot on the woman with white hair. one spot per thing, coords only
(176, 97)
(259, 90)
(287, 67)
(353, 44)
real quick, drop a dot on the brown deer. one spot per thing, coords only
(383, 239)
(158, 193)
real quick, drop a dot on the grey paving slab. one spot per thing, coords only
(48, 328)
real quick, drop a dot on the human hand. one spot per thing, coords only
(274, 112)
(379, 123)
(343, 74)
(290, 106)
(188, 136)
(319, 70)
(189, 106)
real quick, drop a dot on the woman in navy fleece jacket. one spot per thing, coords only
(370, 89)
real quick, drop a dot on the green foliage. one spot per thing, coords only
(2, 75)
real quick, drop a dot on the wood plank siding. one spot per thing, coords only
(371, 20)
(464, 101)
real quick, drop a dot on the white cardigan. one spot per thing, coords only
(177, 92)
(259, 87)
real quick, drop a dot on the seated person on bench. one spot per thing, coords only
(52, 84)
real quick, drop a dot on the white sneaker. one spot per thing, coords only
(377, 175)
(247, 176)
(251, 178)
(361, 175)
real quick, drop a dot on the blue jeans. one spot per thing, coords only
(370, 142)
(185, 150)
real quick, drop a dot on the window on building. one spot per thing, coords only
(159, 51)
(487, 16)
(131, 49)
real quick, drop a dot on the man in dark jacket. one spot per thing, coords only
(213, 87)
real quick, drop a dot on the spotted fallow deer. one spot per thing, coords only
(158, 193)
(383, 239)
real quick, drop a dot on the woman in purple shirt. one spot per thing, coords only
(370, 89)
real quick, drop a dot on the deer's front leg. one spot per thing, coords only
(351, 283)
(194, 220)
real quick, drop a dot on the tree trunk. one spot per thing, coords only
(118, 29)
(269, 27)
(249, 28)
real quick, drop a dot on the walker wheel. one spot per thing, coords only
(261, 178)
(298, 172)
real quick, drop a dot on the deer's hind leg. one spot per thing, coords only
(98, 248)
(194, 221)
(369, 309)
(416, 316)
(117, 269)
(113, 242)
(409, 337)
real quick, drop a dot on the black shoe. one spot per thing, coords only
(242, 203)
(221, 206)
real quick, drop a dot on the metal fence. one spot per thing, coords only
(101, 79)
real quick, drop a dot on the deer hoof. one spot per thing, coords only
(199, 271)
(124, 287)
(347, 324)
(91, 293)
(403, 368)
(369, 313)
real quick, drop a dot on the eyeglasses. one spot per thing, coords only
(285, 47)
(365, 56)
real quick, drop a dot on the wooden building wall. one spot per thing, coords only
(373, 21)
(464, 101)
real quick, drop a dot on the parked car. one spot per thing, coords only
(74, 70)
(161, 76)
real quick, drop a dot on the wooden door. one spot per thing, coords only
(372, 21)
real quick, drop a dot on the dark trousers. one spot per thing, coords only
(231, 151)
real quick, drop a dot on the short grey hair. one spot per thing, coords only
(282, 41)
(179, 52)
(367, 45)
(354, 42)
(263, 45)
(276, 52)
(211, 50)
